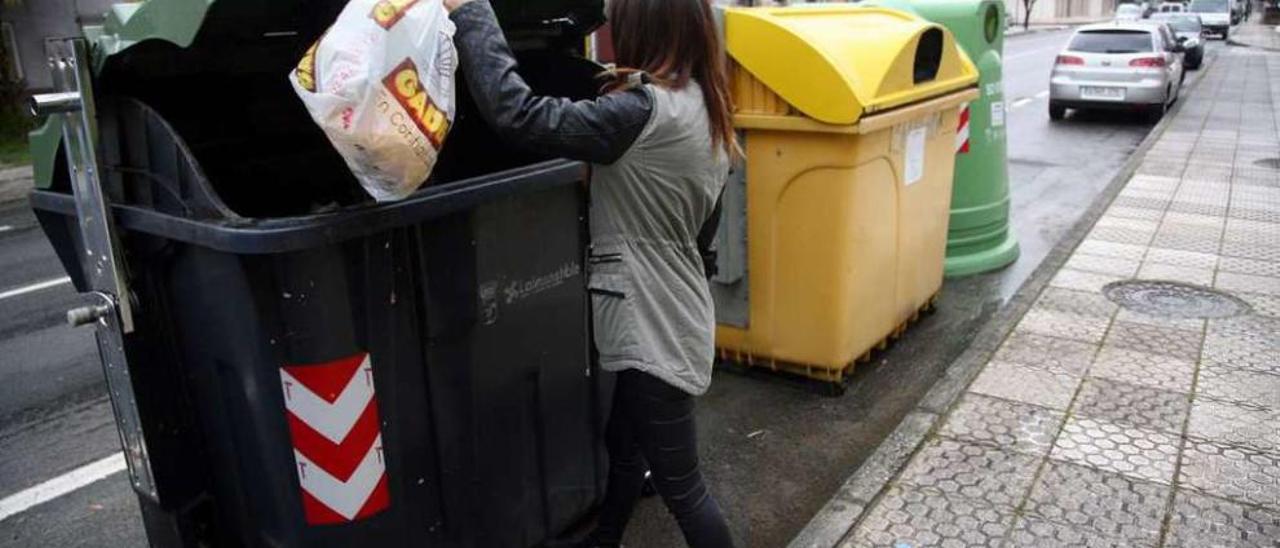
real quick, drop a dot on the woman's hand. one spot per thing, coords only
(451, 5)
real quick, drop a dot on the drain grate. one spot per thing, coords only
(1173, 299)
(1269, 163)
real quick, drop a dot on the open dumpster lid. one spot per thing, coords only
(179, 21)
(836, 63)
(142, 43)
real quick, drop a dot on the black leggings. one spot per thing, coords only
(651, 428)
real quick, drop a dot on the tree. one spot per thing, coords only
(1026, 12)
(14, 121)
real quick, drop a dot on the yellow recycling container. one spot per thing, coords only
(848, 116)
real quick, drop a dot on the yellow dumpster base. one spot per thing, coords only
(822, 373)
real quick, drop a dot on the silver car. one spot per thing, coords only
(1118, 65)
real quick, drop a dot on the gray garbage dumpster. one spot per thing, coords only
(290, 364)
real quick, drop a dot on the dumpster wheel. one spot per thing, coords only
(833, 381)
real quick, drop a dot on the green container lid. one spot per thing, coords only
(979, 238)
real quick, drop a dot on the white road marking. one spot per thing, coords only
(83, 476)
(1042, 94)
(17, 291)
(5, 228)
(1020, 102)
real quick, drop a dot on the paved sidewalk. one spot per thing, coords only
(1096, 425)
(1257, 35)
(15, 183)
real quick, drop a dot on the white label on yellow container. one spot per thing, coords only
(913, 166)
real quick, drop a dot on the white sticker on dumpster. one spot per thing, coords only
(332, 410)
(997, 113)
(913, 166)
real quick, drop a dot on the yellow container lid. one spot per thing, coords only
(836, 63)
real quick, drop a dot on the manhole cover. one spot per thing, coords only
(1173, 299)
(1270, 163)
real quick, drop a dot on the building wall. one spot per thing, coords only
(31, 21)
(1062, 11)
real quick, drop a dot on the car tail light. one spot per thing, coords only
(1069, 60)
(1153, 62)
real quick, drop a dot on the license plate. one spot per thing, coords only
(1102, 93)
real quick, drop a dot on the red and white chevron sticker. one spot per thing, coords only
(337, 440)
(962, 133)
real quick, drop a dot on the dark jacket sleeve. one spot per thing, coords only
(707, 240)
(598, 131)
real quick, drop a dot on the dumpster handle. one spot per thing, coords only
(85, 315)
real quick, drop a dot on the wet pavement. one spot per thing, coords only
(775, 449)
(1257, 35)
(1151, 424)
(44, 363)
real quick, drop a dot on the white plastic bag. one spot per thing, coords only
(380, 83)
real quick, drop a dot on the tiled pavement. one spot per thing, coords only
(1264, 36)
(1095, 425)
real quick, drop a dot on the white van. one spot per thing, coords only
(1215, 15)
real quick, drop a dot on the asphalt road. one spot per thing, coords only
(44, 360)
(774, 449)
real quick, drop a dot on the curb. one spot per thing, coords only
(1275, 29)
(1009, 33)
(16, 183)
(1017, 29)
(1233, 42)
(847, 507)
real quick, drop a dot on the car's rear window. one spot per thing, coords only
(1111, 41)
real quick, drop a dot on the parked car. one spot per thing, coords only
(1171, 7)
(1129, 12)
(1215, 15)
(1125, 65)
(1189, 32)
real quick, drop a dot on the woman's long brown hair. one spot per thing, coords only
(675, 41)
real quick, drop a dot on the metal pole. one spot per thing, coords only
(112, 312)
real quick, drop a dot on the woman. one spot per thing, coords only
(660, 143)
